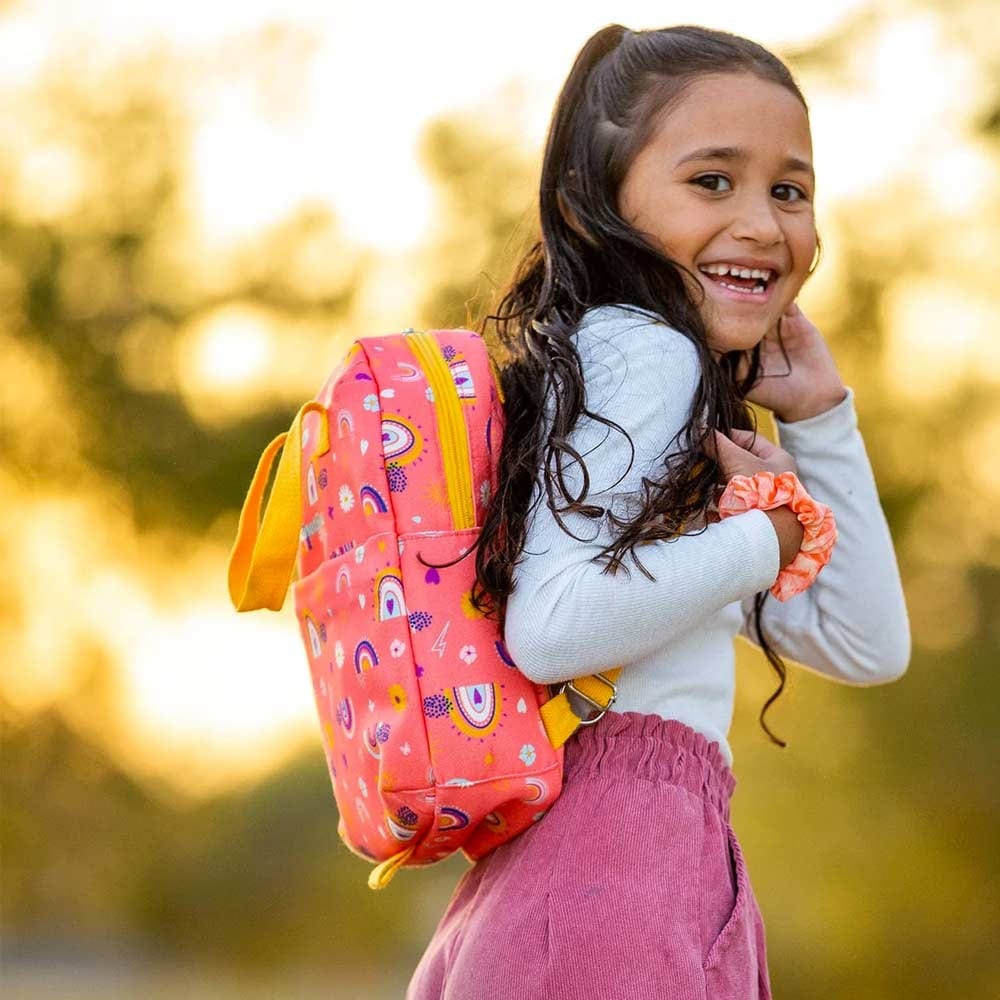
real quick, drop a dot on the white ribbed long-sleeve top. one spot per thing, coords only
(674, 637)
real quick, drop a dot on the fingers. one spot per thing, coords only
(752, 442)
(711, 448)
(722, 445)
(718, 445)
(731, 452)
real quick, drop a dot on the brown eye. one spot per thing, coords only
(791, 187)
(710, 177)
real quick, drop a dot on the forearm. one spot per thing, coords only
(628, 615)
(852, 622)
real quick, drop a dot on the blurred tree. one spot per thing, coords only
(870, 840)
(485, 189)
(101, 294)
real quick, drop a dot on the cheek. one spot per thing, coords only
(803, 247)
(804, 242)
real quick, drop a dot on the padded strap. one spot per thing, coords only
(263, 557)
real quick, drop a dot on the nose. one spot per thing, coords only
(757, 220)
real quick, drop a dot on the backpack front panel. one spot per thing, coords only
(494, 768)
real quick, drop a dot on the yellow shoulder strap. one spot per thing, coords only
(263, 557)
(560, 719)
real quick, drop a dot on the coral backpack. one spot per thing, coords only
(434, 740)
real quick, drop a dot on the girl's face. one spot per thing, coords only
(727, 179)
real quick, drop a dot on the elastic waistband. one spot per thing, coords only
(651, 747)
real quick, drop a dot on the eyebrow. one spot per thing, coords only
(741, 155)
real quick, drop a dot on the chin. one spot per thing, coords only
(736, 339)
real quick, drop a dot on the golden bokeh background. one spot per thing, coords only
(201, 206)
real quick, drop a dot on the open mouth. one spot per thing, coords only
(742, 280)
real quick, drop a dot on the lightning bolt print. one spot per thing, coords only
(439, 645)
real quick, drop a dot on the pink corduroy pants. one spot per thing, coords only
(633, 885)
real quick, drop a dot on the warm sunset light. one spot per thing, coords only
(231, 348)
(201, 207)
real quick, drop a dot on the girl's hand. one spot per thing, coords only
(744, 457)
(805, 385)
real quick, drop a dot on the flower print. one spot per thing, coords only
(527, 754)
(363, 787)
(429, 393)
(405, 749)
(396, 648)
(370, 402)
(338, 654)
(397, 695)
(346, 498)
(468, 654)
(359, 554)
(484, 493)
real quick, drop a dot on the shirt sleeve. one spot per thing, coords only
(566, 617)
(852, 623)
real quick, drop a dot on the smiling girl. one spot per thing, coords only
(677, 229)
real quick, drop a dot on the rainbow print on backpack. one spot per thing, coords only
(434, 740)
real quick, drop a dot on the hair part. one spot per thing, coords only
(587, 255)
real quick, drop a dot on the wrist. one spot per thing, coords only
(814, 406)
(789, 531)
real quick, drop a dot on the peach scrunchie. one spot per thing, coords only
(765, 490)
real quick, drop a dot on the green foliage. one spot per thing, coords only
(80, 291)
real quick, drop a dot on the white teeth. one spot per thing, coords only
(740, 272)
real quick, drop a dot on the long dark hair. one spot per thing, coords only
(587, 256)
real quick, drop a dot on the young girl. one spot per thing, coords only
(677, 229)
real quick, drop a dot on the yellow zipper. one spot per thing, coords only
(451, 427)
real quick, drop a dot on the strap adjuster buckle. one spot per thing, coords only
(601, 709)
